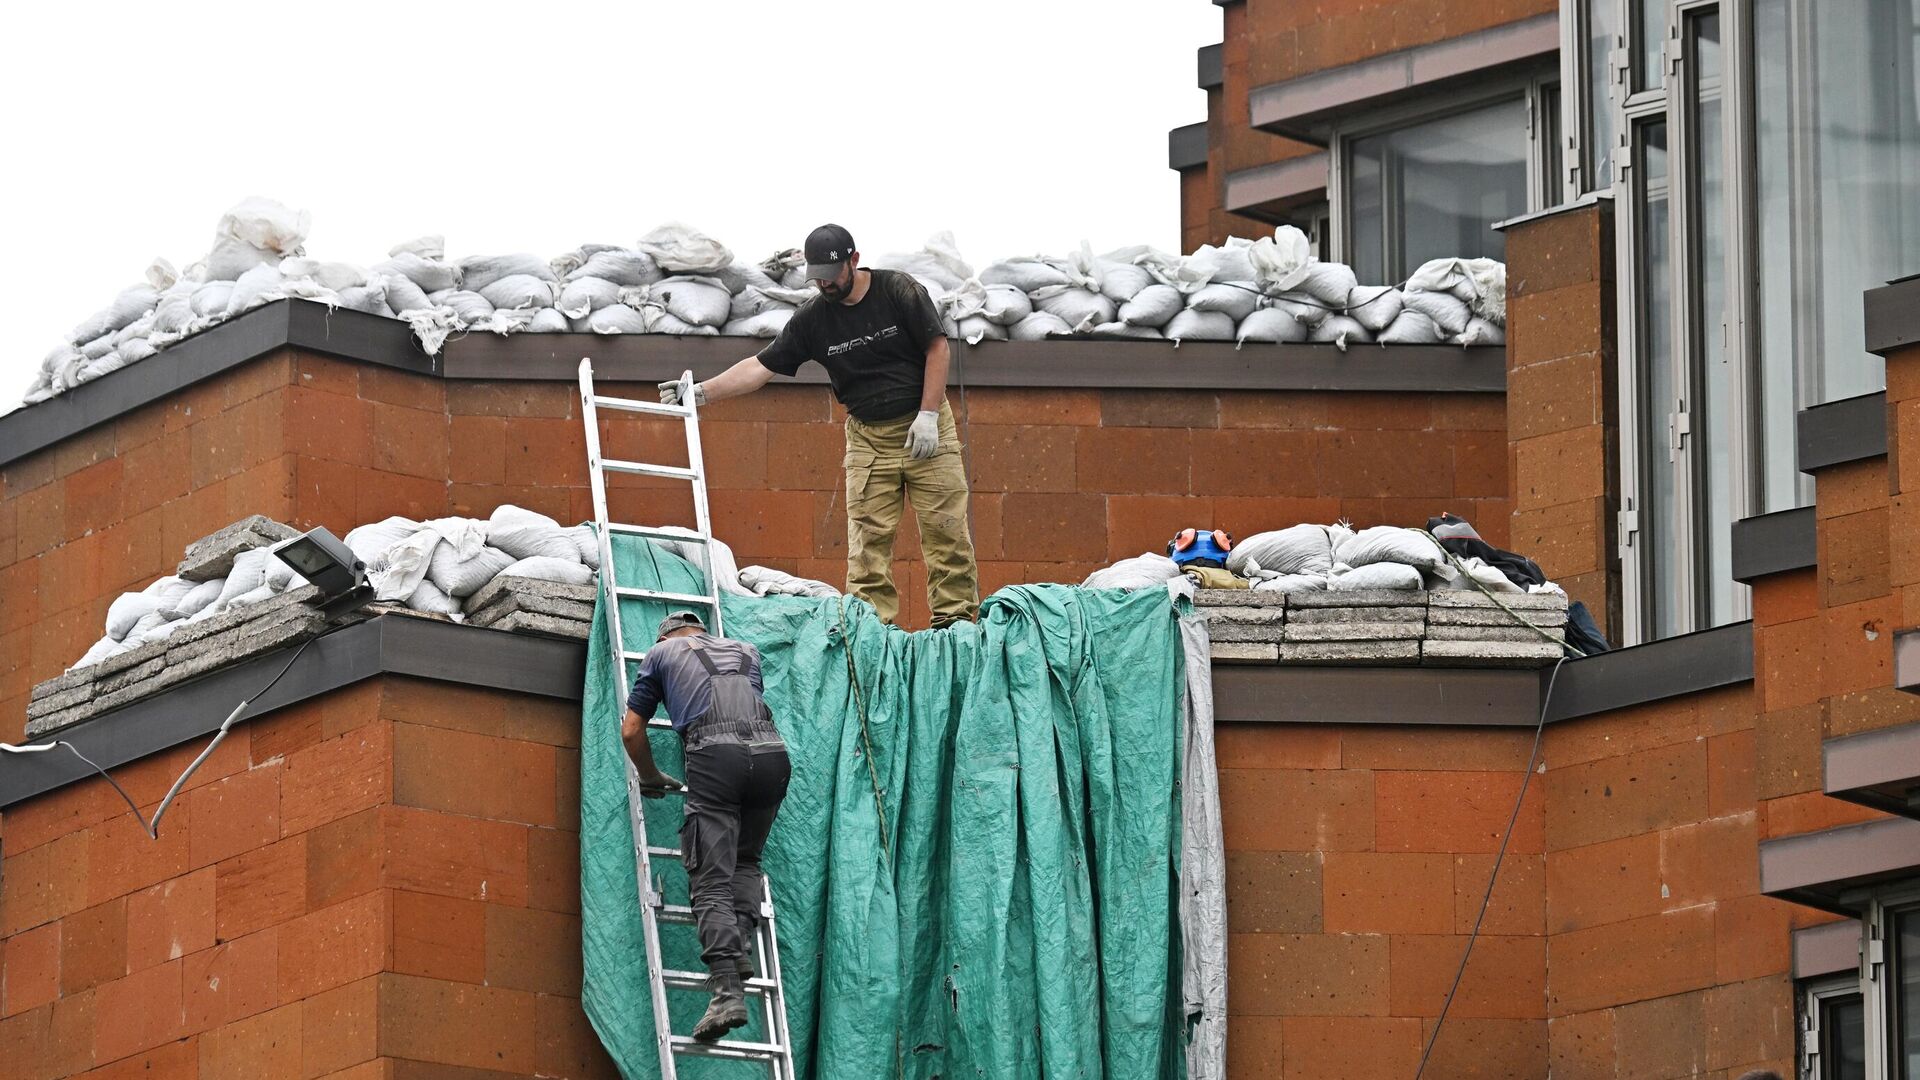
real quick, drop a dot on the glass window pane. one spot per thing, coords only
(1649, 35)
(1782, 487)
(1906, 993)
(1434, 190)
(1603, 38)
(1711, 400)
(1661, 512)
(1553, 160)
(1843, 1039)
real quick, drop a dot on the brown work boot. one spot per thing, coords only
(727, 1010)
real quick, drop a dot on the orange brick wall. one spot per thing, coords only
(329, 898)
(1065, 480)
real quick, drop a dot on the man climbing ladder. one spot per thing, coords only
(737, 772)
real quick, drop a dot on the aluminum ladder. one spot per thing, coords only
(766, 986)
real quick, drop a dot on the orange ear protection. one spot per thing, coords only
(1185, 537)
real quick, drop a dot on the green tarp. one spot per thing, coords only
(1023, 918)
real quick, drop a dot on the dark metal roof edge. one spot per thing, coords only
(1774, 543)
(1299, 694)
(1690, 663)
(386, 644)
(1827, 949)
(1591, 198)
(1873, 768)
(1906, 660)
(1819, 869)
(1211, 65)
(1836, 432)
(1893, 316)
(1187, 146)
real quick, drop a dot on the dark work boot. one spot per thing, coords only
(727, 1010)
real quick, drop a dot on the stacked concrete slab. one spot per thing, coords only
(533, 606)
(1391, 628)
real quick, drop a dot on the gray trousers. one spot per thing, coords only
(733, 794)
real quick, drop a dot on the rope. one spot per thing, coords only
(866, 739)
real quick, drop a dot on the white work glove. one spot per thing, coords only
(923, 438)
(670, 393)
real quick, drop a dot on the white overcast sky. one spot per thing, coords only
(1023, 126)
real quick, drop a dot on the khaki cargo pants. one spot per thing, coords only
(881, 478)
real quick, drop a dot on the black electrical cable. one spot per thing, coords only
(1306, 302)
(1533, 760)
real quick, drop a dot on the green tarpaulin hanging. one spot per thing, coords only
(1022, 918)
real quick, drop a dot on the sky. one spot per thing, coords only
(1022, 127)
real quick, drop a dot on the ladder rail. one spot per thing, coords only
(777, 1051)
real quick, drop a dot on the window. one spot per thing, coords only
(1431, 183)
(1888, 988)
(1833, 1030)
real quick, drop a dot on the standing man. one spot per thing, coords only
(737, 772)
(880, 339)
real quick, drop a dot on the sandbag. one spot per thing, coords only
(1384, 575)
(137, 349)
(1155, 305)
(171, 589)
(371, 299)
(1230, 300)
(93, 369)
(766, 581)
(1280, 261)
(460, 575)
(1329, 283)
(588, 542)
(1077, 307)
(128, 609)
(1119, 329)
(430, 274)
(254, 233)
(628, 268)
(1339, 330)
(1448, 312)
(132, 303)
(548, 321)
(517, 291)
(1374, 306)
(1006, 305)
(586, 294)
(940, 262)
(549, 568)
(174, 313)
(1410, 328)
(281, 577)
(678, 248)
(1122, 281)
(1191, 325)
(1301, 549)
(698, 301)
(1389, 543)
(329, 275)
(660, 321)
(977, 328)
(1481, 332)
(751, 301)
(197, 598)
(479, 271)
(1228, 263)
(260, 285)
(1038, 327)
(1026, 274)
(210, 298)
(429, 597)
(430, 246)
(371, 543)
(614, 319)
(767, 324)
(468, 307)
(1269, 325)
(97, 348)
(249, 573)
(1291, 583)
(526, 534)
(1305, 309)
(1143, 571)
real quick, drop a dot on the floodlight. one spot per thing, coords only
(330, 565)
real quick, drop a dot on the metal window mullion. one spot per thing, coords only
(1573, 97)
(1635, 568)
(1747, 423)
(1876, 992)
(1690, 375)
(1339, 199)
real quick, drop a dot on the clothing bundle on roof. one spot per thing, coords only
(677, 280)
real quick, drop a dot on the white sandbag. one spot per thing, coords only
(1280, 261)
(281, 577)
(1329, 283)
(98, 347)
(1339, 330)
(429, 597)
(174, 313)
(210, 298)
(506, 321)
(1374, 306)
(1301, 549)
(170, 590)
(260, 285)
(968, 299)
(479, 271)
(767, 324)
(402, 294)
(1039, 326)
(431, 274)
(371, 299)
(1383, 575)
(525, 534)
(518, 291)
(1489, 577)
(372, 543)
(1465, 279)
(567, 570)
(249, 573)
(699, 301)
(663, 322)
(469, 307)
(1389, 543)
(726, 571)
(330, 275)
(94, 369)
(1143, 571)
(430, 246)
(1228, 263)
(1448, 312)
(977, 328)
(1155, 305)
(1411, 328)
(1269, 324)
(547, 321)
(1117, 329)
(256, 232)
(460, 575)
(628, 268)
(939, 261)
(128, 609)
(766, 581)
(750, 301)
(1122, 281)
(151, 627)
(1306, 309)
(589, 545)
(138, 328)
(132, 303)
(1005, 304)
(1292, 583)
(1026, 274)
(787, 266)
(1232, 301)
(583, 295)
(137, 349)
(161, 275)
(1076, 306)
(615, 319)
(678, 248)
(1481, 332)
(1191, 325)
(432, 326)
(197, 598)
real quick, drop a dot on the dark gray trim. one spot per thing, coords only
(1906, 660)
(1880, 769)
(302, 324)
(1212, 66)
(1686, 664)
(389, 644)
(1819, 869)
(1774, 543)
(1268, 190)
(1893, 315)
(1064, 362)
(1827, 949)
(1851, 429)
(1299, 108)
(1375, 695)
(1187, 146)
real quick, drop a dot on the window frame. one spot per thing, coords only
(1879, 906)
(1814, 995)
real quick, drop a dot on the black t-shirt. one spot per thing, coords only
(875, 351)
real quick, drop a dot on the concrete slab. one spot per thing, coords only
(522, 622)
(1238, 598)
(1355, 631)
(1360, 598)
(503, 585)
(1416, 613)
(212, 556)
(1376, 653)
(1244, 652)
(1236, 631)
(1488, 654)
(1491, 633)
(65, 699)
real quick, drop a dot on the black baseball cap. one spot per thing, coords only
(676, 621)
(827, 247)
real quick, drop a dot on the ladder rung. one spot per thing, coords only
(679, 914)
(697, 980)
(660, 722)
(633, 654)
(641, 468)
(663, 852)
(726, 1048)
(636, 405)
(658, 533)
(625, 593)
